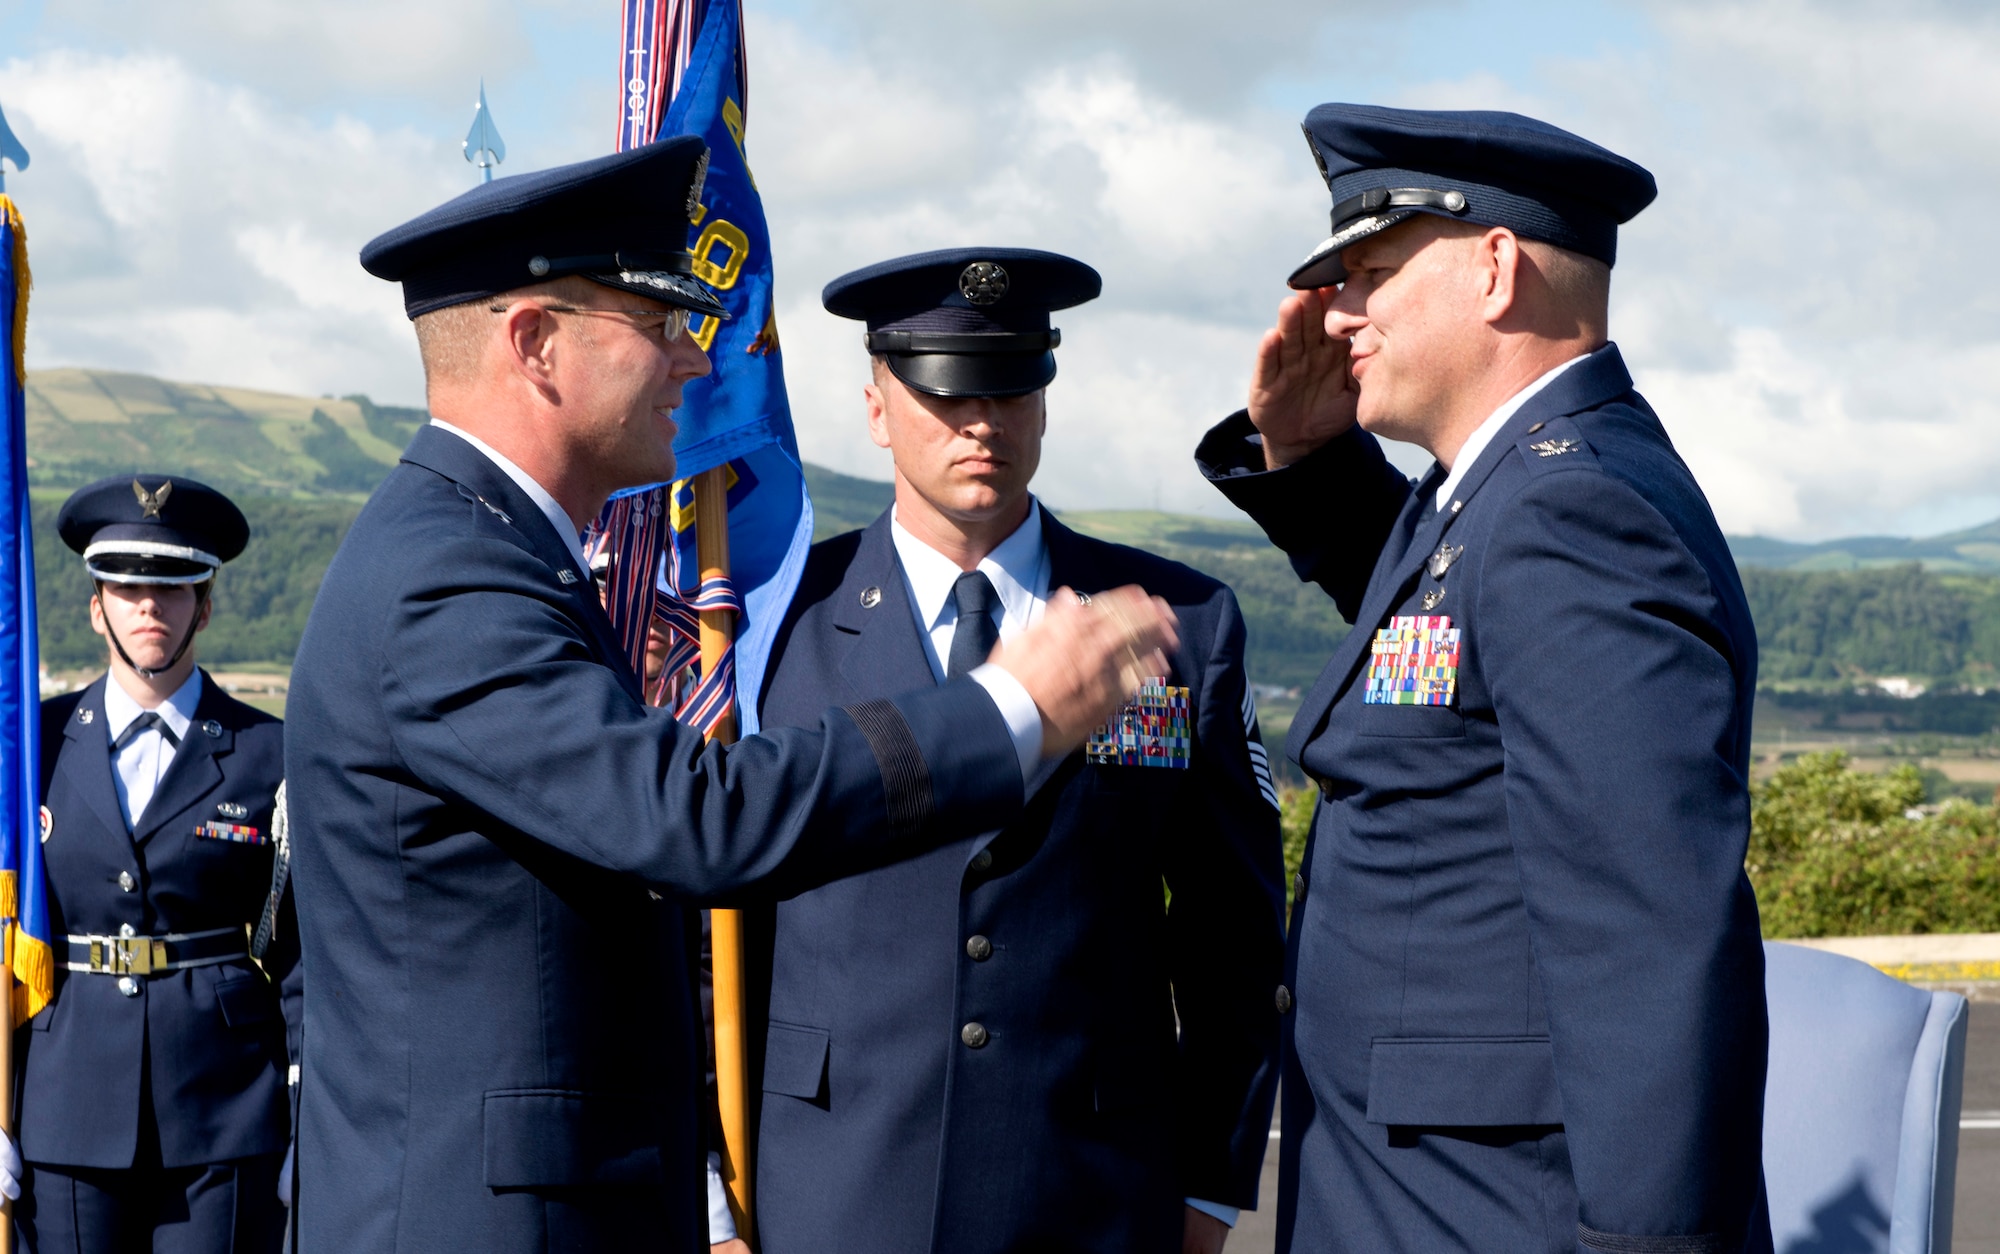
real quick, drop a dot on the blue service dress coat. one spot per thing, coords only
(207, 1046)
(1529, 988)
(1079, 1120)
(494, 840)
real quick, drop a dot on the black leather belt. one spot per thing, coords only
(156, 955)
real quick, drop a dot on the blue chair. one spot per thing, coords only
(1860, 1108)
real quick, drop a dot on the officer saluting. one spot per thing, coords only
(977, 1049)
(153, 1088)
(1529, 987)
(496, 835)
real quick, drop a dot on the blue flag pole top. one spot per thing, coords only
(11, 149)
(738, 416)
(24, 912)
(483, 145)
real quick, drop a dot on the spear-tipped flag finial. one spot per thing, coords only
(483, 145)
(10, 150)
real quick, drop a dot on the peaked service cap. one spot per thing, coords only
(148, 528)
(620, 220)
(1493, 169)
(965, 321)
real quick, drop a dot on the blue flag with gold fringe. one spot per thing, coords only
(692, 54)
(24, 906)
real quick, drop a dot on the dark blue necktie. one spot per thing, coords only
(978, 630)
(146, 720)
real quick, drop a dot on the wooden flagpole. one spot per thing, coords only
(725, 927)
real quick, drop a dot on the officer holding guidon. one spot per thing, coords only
(153, 1110)
(1526, 998)
(498, 838)
(976, 1049)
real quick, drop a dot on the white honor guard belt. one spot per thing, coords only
(156, 955)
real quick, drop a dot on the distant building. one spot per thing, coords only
(1899, 686)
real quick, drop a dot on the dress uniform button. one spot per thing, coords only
(974, 1035)
(978, 948)
(128, 986)
(126, 883)
(982, 861)
(1284, 999)
(125, 929)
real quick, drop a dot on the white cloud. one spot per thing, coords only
(306, 53)
(193, 229)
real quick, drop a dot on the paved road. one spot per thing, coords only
(1976, 1229)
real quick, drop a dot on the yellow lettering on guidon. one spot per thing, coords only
(732, 117)
(704, 333)
(721, 275)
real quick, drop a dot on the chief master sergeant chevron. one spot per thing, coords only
(1528, 1006)
(495, 836)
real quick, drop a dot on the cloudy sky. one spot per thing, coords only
(1808, 303)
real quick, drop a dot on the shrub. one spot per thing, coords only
(1834, 853)
(1295, 814)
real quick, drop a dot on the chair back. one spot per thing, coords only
(1860, 1107)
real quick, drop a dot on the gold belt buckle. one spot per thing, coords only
(128, 955)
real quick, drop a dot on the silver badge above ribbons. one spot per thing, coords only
(983, 282)
(1441, 561)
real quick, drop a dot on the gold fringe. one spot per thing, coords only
(22, 283)
(34, 965)
(10, 896)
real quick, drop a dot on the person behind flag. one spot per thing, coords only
(1528, 983)
(153, 1111)
(1012, 1042)
(497, 839)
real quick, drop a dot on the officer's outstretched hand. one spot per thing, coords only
(1086, 657)
(10, 1167)
(1301, 393)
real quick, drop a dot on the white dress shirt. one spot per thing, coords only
(139, 767)
(1018, 569)
(565, 526)
(1483, 434)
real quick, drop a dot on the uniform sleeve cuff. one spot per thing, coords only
(1227, 1214)
(721, 1224)
(1024, 721)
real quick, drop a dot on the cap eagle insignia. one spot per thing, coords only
(151, 503)
(983, 282)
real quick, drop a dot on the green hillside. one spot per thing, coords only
(1975, 550)
(86, 424)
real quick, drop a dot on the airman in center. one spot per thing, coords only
(977, 1050)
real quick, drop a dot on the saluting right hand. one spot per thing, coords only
(1301, 393)
(1084, 659)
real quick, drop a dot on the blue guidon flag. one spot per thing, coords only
(24, 906)
(690, 53)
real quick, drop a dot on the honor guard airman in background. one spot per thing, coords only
(496, 837)
(1527, 1005)
(977, 1049)
(152, 1090)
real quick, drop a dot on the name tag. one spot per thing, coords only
(235, 833)
(1413, 661)
(1155, 729)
